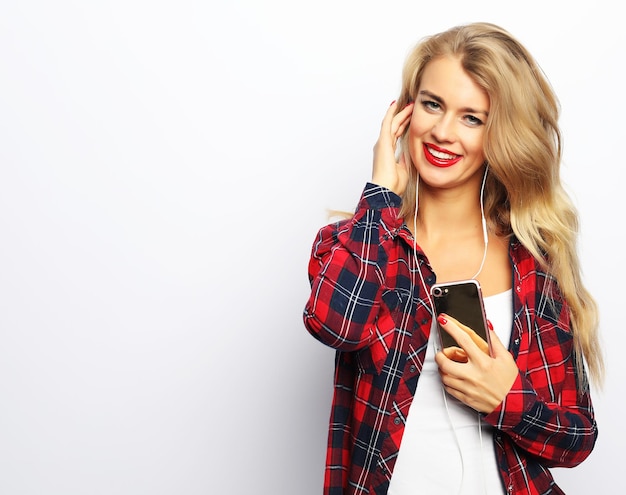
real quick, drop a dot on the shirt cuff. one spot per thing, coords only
(377, 197)
(510, 413)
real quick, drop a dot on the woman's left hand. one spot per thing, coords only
(483, 381)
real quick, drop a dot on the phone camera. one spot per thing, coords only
(437, 292)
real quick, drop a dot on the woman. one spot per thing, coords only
(475, 193)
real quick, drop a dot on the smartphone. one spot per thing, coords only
(462, 300)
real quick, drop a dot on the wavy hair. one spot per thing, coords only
(523, 193)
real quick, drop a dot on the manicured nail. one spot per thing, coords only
(441, 319)
(392, 102)
(489, 325)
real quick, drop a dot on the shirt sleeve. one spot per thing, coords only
(546, 412)
(347, 271)
(562, 435)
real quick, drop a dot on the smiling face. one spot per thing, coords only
(445, 137)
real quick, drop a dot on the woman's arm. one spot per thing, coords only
(541, 409)
(347, 271)
(544, 413)
(349, 259)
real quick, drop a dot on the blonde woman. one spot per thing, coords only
(465, 185)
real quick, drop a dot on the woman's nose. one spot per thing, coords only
(443, 129)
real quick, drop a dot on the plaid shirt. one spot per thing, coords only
(368, 303)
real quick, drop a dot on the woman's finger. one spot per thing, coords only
(455, 354)
(389, 171)
(467, 338)
(401, 120)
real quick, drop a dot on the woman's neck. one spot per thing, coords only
(446, 215)
(449, 230)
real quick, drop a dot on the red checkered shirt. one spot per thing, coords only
(367, 302)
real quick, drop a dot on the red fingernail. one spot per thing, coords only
(392, 102)
(441, 319)
(489, 325)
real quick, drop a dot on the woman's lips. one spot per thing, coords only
(438, 157)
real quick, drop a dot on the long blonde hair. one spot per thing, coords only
(523, 193)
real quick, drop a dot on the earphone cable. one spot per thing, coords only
(432, 308)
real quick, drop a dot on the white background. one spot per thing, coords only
(164, 168)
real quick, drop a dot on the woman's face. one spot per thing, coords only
(447, 127)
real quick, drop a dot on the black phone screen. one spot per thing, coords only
(461, 300)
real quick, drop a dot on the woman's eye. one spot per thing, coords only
(430, 105)
(472, 120)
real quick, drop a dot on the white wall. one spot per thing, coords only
(164, 168)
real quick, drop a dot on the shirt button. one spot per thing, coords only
(516, 341)
(412, 369)
(518, 288)
(424, 321)
(396, 421)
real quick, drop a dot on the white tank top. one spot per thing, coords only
(451, 452)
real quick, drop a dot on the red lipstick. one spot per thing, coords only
(439, 161)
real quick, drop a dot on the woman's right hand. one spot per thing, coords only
(387, 171)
